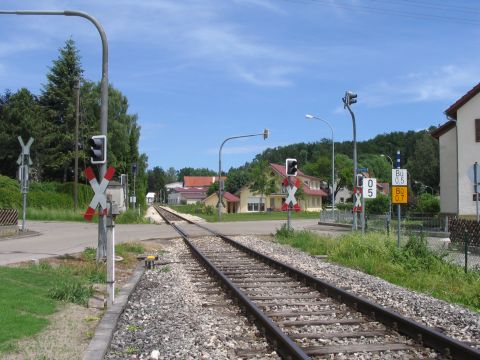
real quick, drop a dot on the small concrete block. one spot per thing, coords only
(97, 303)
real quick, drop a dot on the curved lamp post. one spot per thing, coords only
(102, 231)
(309, 116)
(220, 182)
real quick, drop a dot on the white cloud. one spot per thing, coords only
(270, 76)
(445, 83)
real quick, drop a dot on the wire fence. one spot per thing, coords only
(462, 247)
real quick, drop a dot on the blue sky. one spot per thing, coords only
(199, 71)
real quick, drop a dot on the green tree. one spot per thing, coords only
(58, 102)
(236, 179)
(262, 180)
(171, 175)
(424, 165)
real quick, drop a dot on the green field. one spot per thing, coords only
(29, 294)
(413, 266)
(254, 216)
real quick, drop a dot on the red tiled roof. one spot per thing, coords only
(309, 191)
(450, 124)
(230, 197)
(192, 181)
(452, 110)
(280, 169)
(190, 190)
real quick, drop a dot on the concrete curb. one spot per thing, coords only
(103, 334)
(346, 226)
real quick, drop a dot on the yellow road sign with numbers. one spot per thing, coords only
(399, 195)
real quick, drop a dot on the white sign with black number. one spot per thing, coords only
(370, 188)
(399, 177)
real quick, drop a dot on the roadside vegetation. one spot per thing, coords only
(210, 214)
(413, 266)
(30, 293)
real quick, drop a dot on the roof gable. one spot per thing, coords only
(452, 110)
(193, 181)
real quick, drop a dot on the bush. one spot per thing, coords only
(428, 203)
(71, 290)
(379, 205)
(344, 206)
(131, 216)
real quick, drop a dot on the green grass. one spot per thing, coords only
(55, 214)
(29, 294)
(413, 266)
(280, 215)
(49, 214)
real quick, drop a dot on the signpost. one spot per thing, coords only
(106, 208)
(290, 201)
(24, 163)
(370, 188)
(399, 191)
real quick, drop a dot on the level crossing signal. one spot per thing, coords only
(291, 167)
(98, 149)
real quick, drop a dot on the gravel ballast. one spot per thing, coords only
(452, 320)
(176, 311)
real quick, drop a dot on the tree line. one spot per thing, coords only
(50, 117)
(419, 155)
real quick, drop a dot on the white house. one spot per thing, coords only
(459, 148)
(150, 197)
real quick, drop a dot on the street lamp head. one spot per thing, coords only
(308, 116)
(265, 134)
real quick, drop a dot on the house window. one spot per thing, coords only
(477, 130)
(254, 204)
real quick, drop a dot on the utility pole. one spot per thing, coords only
(77, 117)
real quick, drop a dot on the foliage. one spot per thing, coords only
(71, 290)
(418, 150)
(427, 203)
(236, 179)
(189, 171)
(132, 216)
(414, 265)
(50, 120)
(262, 180)
(379, 205)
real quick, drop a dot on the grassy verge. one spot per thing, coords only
(48, 214)
(413, 266)
(29, 294)
(213, 217)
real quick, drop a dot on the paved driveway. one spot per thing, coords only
(55, 238)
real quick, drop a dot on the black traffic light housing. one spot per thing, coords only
(265, 134)
(350, 98)
(359, 181)
(291, 167)
(98, 149)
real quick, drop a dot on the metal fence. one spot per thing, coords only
(8, 222)
(460, 247)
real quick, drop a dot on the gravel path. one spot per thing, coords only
(452, 320)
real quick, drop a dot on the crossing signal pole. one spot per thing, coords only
(349, 99)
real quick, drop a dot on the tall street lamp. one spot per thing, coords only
(102, 220)
(349, 99)
(220, 182)
(309, 116)
(389, 195)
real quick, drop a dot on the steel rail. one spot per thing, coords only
(418, 332)
(284, 345)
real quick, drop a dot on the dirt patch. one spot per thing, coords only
(67, 336)
(72, 326)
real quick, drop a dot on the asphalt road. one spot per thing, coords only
(52, 238)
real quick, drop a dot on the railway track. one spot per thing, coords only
(303, 317)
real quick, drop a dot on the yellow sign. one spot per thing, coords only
(399, 195)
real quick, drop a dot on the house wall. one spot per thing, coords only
(468, 153)
(212, 200)
(246, 193)
(448, 172)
